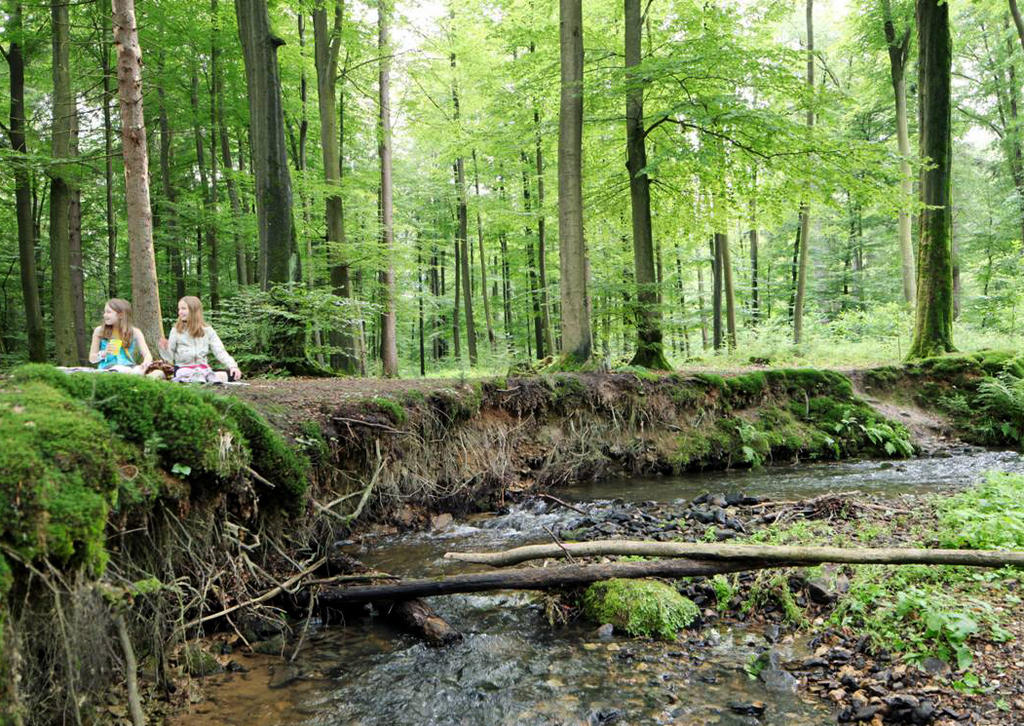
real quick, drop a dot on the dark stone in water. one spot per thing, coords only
(771, 633)
(606, 631)
(747, 708)
(604, 716)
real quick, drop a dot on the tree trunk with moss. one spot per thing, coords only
(933, 328)
(805, 210)
(650, 351)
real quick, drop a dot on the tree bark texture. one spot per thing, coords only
(1018, 20)
(108, 151)
(805, 210)
(60, 191)
(722, 242)
(899, 51)
(489, 321)
(462, 229)
(168, 216)
(327, 47)
(145, 292)
(933, 328)
(649, 347)
(266, 126)
(577, 342)
(75, 254)
(389, 342)
(16, 132)
(531, 266)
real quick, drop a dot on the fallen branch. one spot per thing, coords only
(272, 592)
(732, 552)
(534, 578)
(556, 500)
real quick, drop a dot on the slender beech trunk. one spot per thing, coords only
(169, 215)
(933, 328)
(209, 233)
(701, 308)
(327, 46)
(716, 295)
(722, 244)
(213, 243)
(577, 342)
(682, 304)
(60, 191)
(531, 264)
(805, 210)
(16, 133)
(456, 257)
(145, 293)
(755, 311)
(1018, 21)
(650, 351)
(389, 343)
(483, 259)
(462, 228)
(899, 50)
(108, 150)
(266, 126)
(75, 254)
(542, 240)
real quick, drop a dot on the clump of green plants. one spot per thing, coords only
(724, 591)
(391, 407)
(989, 515)
(640, 607)
(773, 587)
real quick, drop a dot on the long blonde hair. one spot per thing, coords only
(194, 324)
(123, 308)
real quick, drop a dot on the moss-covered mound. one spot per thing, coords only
(982, 392)
(640, 607)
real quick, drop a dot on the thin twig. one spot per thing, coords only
(556, 500)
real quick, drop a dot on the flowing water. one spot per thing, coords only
(514, 668)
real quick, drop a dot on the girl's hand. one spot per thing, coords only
(234, 375)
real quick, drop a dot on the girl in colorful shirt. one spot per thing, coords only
(116, 344)
(191, 341)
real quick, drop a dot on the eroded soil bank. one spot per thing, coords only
(195, 515)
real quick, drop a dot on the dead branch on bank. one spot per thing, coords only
(746, 553)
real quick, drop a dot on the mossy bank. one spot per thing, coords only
(126, 496)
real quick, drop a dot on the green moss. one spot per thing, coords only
(58, 475)
(391, 408)
(272, 457)
(640, 607)
(747, 386)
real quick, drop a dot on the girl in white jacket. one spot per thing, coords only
(190, 343)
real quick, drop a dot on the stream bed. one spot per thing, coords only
(512, 667)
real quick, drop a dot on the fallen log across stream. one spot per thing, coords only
(688, 559)
(745, 552)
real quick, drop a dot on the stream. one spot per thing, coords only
(514, 668)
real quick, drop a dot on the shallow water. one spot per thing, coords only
(513, 667)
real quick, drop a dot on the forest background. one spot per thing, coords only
(753, 155)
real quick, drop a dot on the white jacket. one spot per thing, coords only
(184, 350)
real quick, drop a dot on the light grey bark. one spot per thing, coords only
(389, 342)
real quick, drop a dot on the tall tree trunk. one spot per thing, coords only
(389, 343)
(703, 311)
(457, 289)
(145, 293)
(933, 328)
(722, 243)
(75, 253)
(755, 311)
(209, 233)
(542, 241)
(169, 216)
(16, 133)
(108, 151)
(650, 352)
(898, 55)
(716, 295)
(805, 210)
(214, 244)
(1018, 21)
(60, 191)
(327, 46)
(462, 228)
(531, 264)
(266, 125)
(577, 342)
(483, 259)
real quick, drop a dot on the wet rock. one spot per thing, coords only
(771, 633)
(440, 521)
(777, 679)
(814, 662)
(819, 592)
(747, 708)
(604, 717)
(284, 676)
(865, 713)
(935, 666)
(925, 713)
(717, 500)
(198, 663)
(274, 646)
(606, 631)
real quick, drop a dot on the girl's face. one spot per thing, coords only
(183, 311)
(110, 316)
